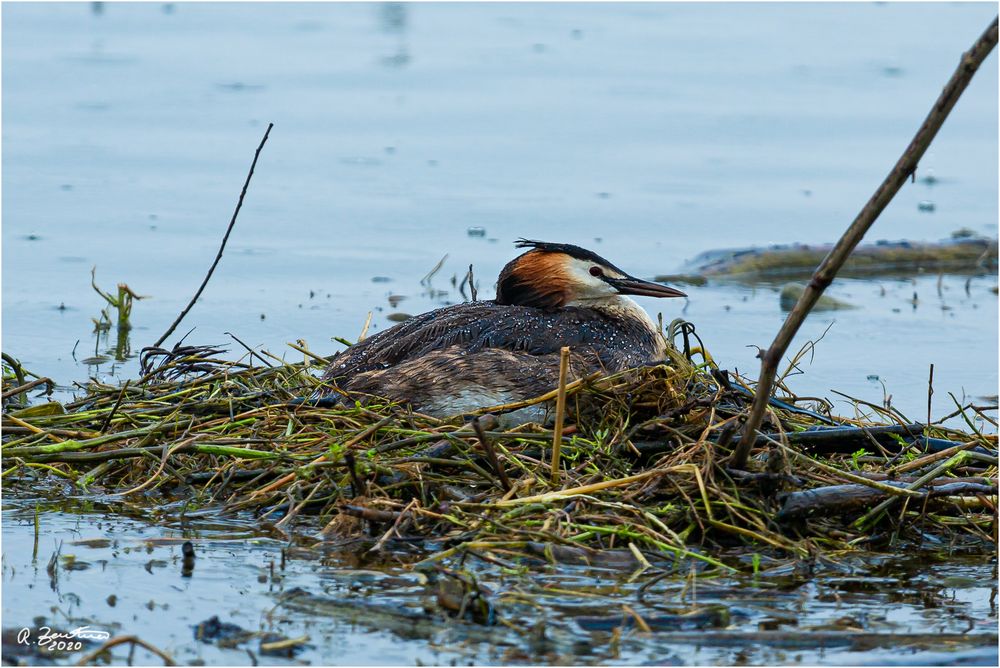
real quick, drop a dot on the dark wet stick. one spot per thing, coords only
(222, 247)
(930, 393)
(34, 551)
(21, 389)
(370, 514)
(836, 500)
(491, 454)
(251, 351)
(114, 409)
(326, 401)
(357, 488)
(187, 565)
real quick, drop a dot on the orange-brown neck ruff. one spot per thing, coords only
(534, 279)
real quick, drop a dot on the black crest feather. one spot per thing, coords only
(515, 288)
(569, 249)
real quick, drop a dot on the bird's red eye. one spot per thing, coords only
(596, 271)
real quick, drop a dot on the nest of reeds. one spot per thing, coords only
(643, 470)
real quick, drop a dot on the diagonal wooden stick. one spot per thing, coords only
(905, 168)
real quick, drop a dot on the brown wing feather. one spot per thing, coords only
(453, 380)
(487, 325)
(398, 343)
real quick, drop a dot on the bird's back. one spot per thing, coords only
(468, 356)
(611, 343)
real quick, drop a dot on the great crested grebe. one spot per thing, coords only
(459, 358)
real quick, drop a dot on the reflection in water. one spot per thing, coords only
(350, 600)
(123, 345)
(392, 17)
(121, 351)
(122, 304)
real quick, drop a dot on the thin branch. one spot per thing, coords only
(239, 205)
(491, 454)
(121, 640)
(16, 366)
(905, 168)
(20, 389)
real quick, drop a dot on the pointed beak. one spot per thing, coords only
(636, 286)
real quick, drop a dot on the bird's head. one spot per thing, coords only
(556, 275)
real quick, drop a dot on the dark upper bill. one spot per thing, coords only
(637, 286)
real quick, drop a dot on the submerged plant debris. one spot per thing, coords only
(964, 252)
(643, 474)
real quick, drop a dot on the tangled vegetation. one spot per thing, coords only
(643, 471)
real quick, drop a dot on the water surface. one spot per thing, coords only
(118, 567)
(646, 132)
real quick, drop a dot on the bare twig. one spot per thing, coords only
(490, 452)
(250, 350)
(222, 247)
(394, 529)
(472, 285)
(905, 167)
(31, 384)
(121, 640)
(114, 409)
(301, 347)
(426, 280)
(364, 330)
(930, 393)
(938, 471)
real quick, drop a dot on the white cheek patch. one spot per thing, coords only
(586, 285)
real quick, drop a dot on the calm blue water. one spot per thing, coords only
(647, 132)
(113, 548)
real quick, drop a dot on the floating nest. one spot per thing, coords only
(643, 472)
